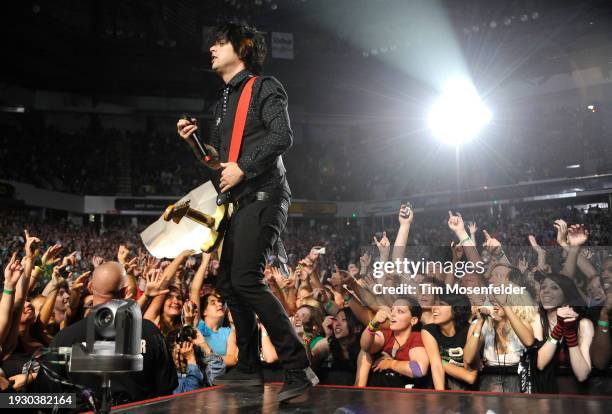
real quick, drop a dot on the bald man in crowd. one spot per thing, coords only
(158, 376)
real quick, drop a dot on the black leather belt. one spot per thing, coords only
(258, 196)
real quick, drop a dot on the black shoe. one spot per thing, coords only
(297, 382)
(239, 377)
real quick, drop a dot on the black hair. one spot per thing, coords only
(571, 297)
(248, 43)
(355, 328)
(204, 305)
(461, 308)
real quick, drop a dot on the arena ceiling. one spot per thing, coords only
(144, 47)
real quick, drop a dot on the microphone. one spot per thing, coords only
(201, 152)
(199, 149)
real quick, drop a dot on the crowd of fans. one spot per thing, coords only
(551, 337)
(155, 162)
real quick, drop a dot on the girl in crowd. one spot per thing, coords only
(444, 340)
(308, 324)
(503, 333)
(344, 349)
(565, 335)
(395, 353)
(170, 317)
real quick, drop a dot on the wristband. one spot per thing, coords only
(8, 291)
(347, 300)
(476, 334)
(264, 334)
(557, 332)
(416, 369)
(475, 321)
(570, 333)
(328, 305)
(603, 324)
(444, 362)
(552, 340)
(464, 240)
(371, 332)
(373, 326)
(500, 255)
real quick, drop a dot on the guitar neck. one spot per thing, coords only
(200, 217)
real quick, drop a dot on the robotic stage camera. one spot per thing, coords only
(114, 332)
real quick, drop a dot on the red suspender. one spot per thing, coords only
(240, 120)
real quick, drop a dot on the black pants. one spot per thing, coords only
(252, 232)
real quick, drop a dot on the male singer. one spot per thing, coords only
(258, 183)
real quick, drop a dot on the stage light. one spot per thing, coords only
(524, 18)
(493, 24)
(459, 114)
(535, 15)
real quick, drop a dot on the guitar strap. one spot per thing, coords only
(234, 152)
(240, 120)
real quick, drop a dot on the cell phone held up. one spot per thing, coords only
(406, 211)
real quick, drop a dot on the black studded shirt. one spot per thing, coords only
(267, 133)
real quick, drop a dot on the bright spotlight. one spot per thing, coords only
(459, 114)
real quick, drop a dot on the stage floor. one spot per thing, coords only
(345, 400)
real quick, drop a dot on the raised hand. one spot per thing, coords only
(406, 215)
(97, 261)
(384, 245)
(122, 254)
(455, 222)
(561, 227)
(306, 266)
(320, 294)
(587, 253)
(473, 228)
(534, 243)
(364, 262)
(187, 352)
(491, 244)
(328, 326)
(189, 311)
(314, 254)
(132, 267)
(567, 314)
(12, 272)
(80, 281)
(382, 315)
(154, 279)
(288, 282)
(31, 245)
(336, 278)
(69, 260)
(577, 235)
(50, 255)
